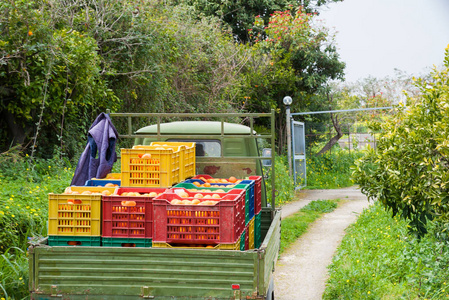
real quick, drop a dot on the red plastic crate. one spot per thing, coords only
(199, 224)
(123, 221)
(257, 193)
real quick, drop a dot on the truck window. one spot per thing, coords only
(207, 148)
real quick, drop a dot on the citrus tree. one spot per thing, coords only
(408, 172)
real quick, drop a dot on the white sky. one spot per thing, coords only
(376, 36)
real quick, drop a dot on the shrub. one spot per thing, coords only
(285, 189)
(407, 172)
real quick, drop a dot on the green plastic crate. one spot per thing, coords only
(257, 230)
(242, 241)
(63, 240)
(127, 242)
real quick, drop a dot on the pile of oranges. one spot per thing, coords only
(211, 182)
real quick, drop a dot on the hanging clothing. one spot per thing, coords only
(99, 155)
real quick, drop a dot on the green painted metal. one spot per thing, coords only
(162, 273)
(197, 127)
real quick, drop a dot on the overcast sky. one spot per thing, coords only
(376, 36)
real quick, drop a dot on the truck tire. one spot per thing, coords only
(270, 292)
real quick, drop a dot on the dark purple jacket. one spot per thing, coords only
(99, 156)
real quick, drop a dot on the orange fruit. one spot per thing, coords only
(207, 184)
(109, 185)
(223, 180)
(196, 183)
(105, 193)
(232, 179)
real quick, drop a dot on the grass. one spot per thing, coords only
(378, 259)
(294, 226)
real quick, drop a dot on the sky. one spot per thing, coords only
(376, 36)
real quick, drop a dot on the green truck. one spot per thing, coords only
(223, 149)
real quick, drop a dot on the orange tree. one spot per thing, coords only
(408, 171)
(49, 75)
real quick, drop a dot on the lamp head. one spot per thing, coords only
(287, 100)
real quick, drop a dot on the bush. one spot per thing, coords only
(407, 172)
(285, 189)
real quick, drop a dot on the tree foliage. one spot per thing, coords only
(408, 172)
(240, 15)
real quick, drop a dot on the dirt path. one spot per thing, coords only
(301, 271)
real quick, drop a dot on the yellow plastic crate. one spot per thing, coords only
(187, 159)
(114, 176)
(251, 234)
(161, 170)
(93, 189)
(74, 215)
(235, 246)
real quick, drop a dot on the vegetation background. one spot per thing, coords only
(63, 62)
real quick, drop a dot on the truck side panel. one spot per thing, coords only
(135, 272)
(271, 244)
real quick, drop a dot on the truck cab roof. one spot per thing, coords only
(196, 127)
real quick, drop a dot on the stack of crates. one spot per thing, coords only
(257, 210)
(127, 217)
(246, 184)
(74, 218)
(181, 218)
(187, 160)
(158, 165)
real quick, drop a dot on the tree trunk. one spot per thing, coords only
(17, 132)
(335, 138)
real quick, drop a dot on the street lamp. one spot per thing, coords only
(288, 101)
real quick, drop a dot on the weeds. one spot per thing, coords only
(331, 170)
(24, 188)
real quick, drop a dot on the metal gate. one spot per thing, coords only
(299, 154)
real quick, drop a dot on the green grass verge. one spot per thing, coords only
(378, 259)
(294, 226)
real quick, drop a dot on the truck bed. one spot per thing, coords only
(154, 273)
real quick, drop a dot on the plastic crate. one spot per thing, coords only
(257, 193)
(129, 221)
(251, 234)
(246, 237)
(233, 246)
(221, 223)
(94, 190)
(242, 241)
(116, 176)
(247, 184)
(102, 182)
(74, 215)
(257, 230)
(161, 170)
(187, 158)
(126, 242)
(92, 241)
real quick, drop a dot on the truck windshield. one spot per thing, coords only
(208, 148)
